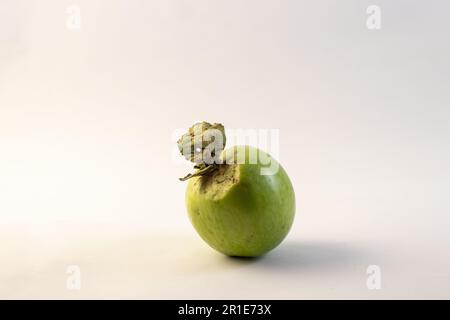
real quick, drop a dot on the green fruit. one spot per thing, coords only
(237, 210)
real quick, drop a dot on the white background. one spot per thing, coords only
(87, 176)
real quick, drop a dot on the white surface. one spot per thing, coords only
(86, 121)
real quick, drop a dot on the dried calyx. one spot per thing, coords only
(202, 145)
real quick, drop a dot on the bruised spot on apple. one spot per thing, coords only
(237, 210)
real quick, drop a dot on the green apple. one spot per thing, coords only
(238, 210)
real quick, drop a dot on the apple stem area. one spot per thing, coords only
(202, 141)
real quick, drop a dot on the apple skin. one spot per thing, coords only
(254, 215)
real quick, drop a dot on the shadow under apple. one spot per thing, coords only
(292, 256)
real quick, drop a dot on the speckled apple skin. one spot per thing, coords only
(253, 217)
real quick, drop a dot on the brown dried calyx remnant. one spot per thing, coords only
(203, 145)
(217, 183)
